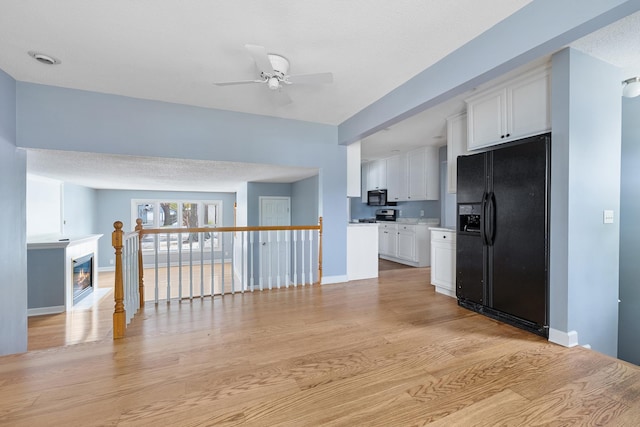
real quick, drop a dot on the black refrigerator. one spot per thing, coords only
(502, 248)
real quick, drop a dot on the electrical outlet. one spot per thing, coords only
(226, 253)
(421, 212)
(608, 217)
(111, 261)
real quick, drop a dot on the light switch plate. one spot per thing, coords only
(608, 217)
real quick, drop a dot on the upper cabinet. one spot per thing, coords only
(456, 146)
(411, 176)
(396, 186)
(423, 176)
(514, 110)
(377, 175)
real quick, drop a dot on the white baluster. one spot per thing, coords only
(252, 257)
(201, 240)
(287, 247)
(168, 268)
(179, 267)
(222, 261)
(295, 257)
(311, 257)
(278, 242)
(302, 257)
(269, 257)
(155, 260)
(233, 269)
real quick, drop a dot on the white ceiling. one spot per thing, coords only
(152, 173)
(171, 51)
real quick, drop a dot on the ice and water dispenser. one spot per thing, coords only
(469, 217)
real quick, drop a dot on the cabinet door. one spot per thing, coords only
(395, 173)
(407, 243)
(388, 241)
(416, 175)
(432, 173)
(456, 146)
(364, 182)
(377, 175)
(528, 106)
(486, 119)
(442, 266)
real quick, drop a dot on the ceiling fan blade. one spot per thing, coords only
(239, 82)
(311, 79)
(259, 54)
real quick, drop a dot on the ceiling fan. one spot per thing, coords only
(273, 70)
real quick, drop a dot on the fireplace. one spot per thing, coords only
(82, 277)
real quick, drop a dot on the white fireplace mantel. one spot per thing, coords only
(50, 271)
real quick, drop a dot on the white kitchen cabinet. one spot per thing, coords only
(456, 146)
(513, 110)
(396, 186)
(364, 169)
(443, 261)
(405, 243)
(423, 176)
(388, 239)
(377, 175)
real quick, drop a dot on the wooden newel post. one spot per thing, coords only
(320, 252)
(140, 269)
(119, 315)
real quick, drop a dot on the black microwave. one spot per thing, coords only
(377, 198)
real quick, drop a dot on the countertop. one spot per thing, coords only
(452, 229)
(362, 224)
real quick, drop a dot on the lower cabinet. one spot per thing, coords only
(405, 243)
(443, 261)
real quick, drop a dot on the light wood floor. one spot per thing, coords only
(388, 352)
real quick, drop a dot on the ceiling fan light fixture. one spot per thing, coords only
(273, 83)
(631, 87)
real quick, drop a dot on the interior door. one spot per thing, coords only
(274, 245)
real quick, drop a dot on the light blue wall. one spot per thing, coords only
(585, 181)
(80, 215)
(115, 205)
(540, 28)
(65, 119)
(447, 200)
(255, 190)
(304, 202)
(629, 318)
(13, 217)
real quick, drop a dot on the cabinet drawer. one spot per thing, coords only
(443, 236)
(407, 228)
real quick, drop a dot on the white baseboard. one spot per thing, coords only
(328, 280)
(566, 339)
(45, 310)
(106, 269)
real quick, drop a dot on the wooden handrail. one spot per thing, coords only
(184, 230)
(119, 315)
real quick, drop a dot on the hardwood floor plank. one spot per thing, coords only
(387, 351)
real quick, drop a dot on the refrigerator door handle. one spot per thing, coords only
(483, 220)
(491, 220)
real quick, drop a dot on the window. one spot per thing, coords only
(174, 214)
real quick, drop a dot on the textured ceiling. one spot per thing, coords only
(152, 173)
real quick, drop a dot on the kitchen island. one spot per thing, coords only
(362, 251)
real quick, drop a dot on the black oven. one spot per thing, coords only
(377, 198)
